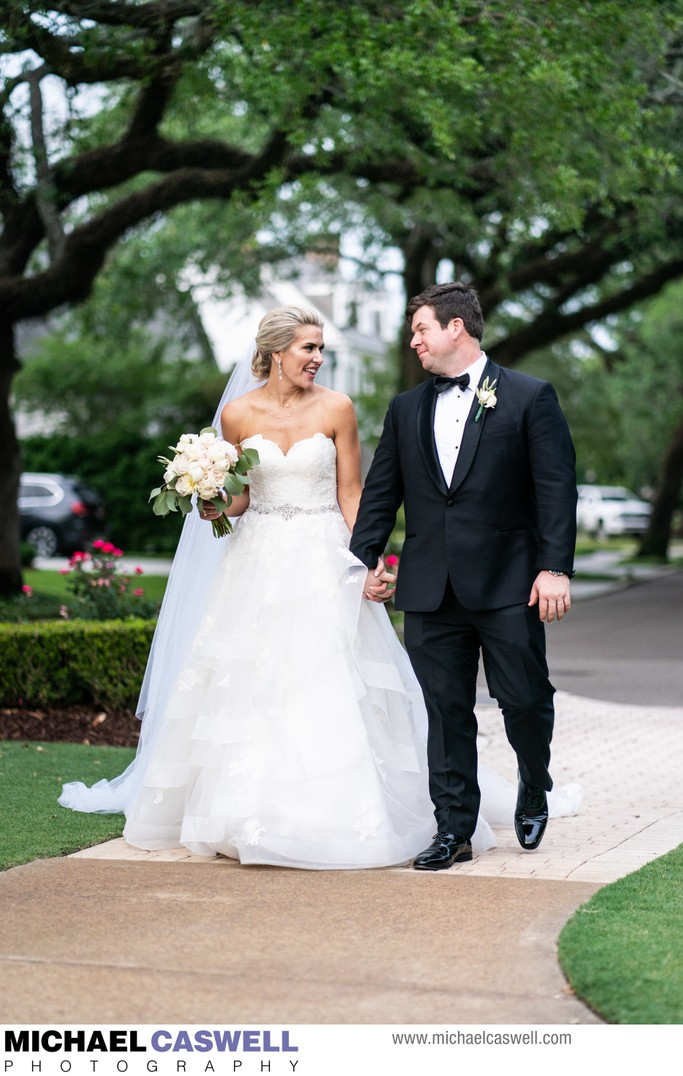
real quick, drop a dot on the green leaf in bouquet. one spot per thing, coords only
(155, 493)
(248, 459)
(160, 505)
(185, 504)
(172, 500)
(208, 429)
(233, 484)
(220, 504)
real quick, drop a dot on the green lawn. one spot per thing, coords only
(48, 582)
(31, 778)
(622, 951)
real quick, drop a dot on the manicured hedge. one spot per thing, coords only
(49, 663)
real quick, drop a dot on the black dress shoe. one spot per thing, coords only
(446, 849)
(531, 815)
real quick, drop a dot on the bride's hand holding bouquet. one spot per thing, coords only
(206, 466)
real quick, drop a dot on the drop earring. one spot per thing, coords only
(279, 369)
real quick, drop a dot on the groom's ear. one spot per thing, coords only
(456, 326)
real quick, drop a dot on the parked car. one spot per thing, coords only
(58, 513)
(609, 510)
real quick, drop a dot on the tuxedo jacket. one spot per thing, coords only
(509, 511)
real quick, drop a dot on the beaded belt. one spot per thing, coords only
(289, 510)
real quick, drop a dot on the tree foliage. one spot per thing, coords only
(531, 147)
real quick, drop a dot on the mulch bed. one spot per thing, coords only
(73, 724)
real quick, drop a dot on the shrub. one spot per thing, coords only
(101, 591)
(50, 663)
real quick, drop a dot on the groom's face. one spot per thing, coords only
(434, 344)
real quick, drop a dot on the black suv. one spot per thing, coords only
(59, 513)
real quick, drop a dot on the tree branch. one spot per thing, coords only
(45, 190)
(148, 16)
(551, 325)
(70, 278)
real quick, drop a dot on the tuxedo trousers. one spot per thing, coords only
(444, 647)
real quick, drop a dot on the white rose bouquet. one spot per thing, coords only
(206, 465)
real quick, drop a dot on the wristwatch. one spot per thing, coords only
(551, 571)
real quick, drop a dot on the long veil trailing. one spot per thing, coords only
(194, 565)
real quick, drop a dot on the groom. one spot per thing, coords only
(482, 460)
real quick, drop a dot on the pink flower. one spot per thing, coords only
(65, 571)
(139, 571)
(27, 590)
(117, 552)
(98, 544)
(64, 612)
(139, 592)
(107, 547)
(391, 561)
(78, 556)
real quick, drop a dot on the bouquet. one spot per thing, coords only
(206, 465)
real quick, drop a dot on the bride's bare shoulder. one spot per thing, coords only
(335, 401)
(239, 412)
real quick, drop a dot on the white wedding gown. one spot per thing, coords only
(295, 732)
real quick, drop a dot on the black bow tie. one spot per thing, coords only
(442, 383)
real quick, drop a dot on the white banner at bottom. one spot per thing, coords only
(332, 1050)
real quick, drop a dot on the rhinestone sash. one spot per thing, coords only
(287, 511)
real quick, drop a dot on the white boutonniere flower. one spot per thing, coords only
(486, 394)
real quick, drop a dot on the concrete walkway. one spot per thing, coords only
(114, 935)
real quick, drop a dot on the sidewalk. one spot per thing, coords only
(116, 935)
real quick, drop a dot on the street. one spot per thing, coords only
(625, 646)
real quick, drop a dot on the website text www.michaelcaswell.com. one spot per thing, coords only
(481, 1038)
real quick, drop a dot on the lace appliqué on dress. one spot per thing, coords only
(187, 681)
(253, 830)
(369, 820)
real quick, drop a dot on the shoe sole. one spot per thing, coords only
(464, 857)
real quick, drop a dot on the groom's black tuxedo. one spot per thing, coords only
(509, 512)
(472, 551)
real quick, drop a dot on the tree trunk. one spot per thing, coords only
(10, 558)
(655, 541)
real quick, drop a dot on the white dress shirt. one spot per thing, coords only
(451, 413)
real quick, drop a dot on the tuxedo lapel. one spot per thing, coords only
(473, 431)
(425, 437)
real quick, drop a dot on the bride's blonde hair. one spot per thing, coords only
(276, 332)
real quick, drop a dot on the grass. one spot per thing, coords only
(45, 582)
(31, 778)
(622, 951)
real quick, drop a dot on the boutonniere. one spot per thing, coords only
(486, 395)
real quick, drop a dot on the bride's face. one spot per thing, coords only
(304, 356)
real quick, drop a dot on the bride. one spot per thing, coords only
(282, 721)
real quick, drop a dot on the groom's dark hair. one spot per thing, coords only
(448, 301)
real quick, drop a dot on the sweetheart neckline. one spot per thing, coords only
(302, 441)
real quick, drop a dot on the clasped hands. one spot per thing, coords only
(379, 584)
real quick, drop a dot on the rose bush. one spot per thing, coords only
(101, 590)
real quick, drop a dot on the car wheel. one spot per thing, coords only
(600, 530)
(44, 540)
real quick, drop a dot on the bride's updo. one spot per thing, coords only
(276, 332)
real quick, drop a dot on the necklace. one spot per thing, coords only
(287, 408)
